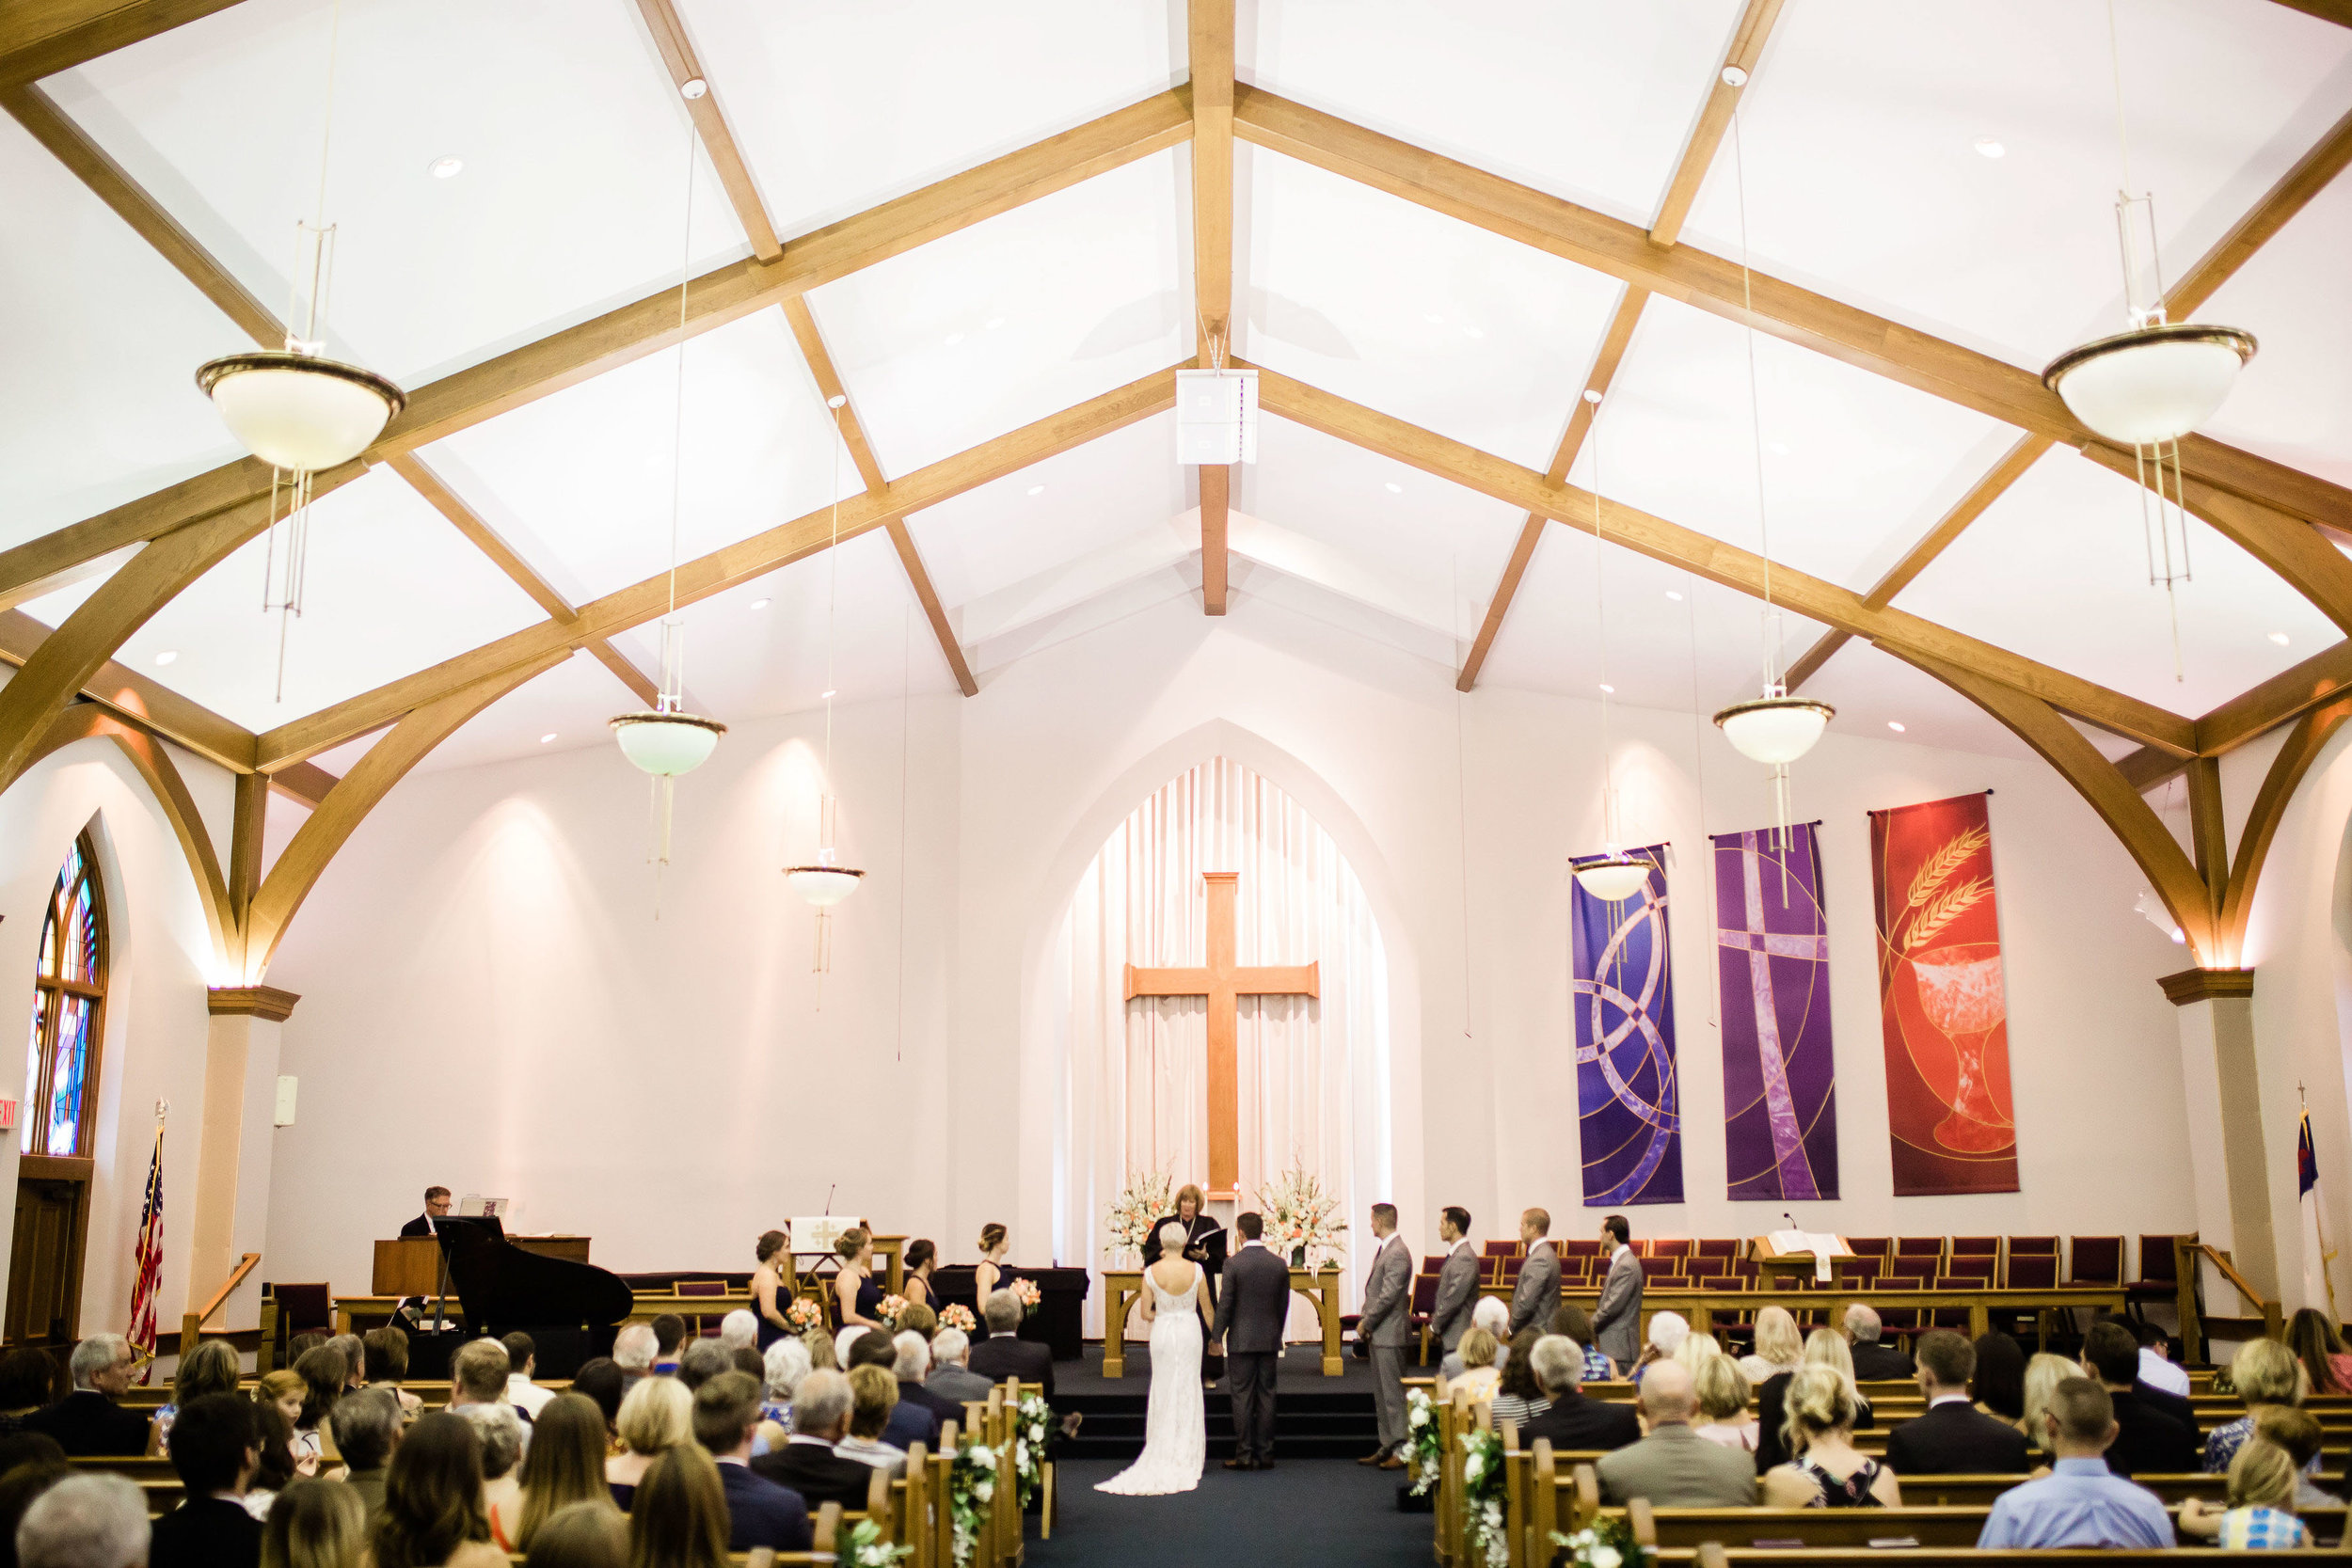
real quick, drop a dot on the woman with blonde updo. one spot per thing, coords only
(856, 1297)
(1826, 1348)
(1825, 1470)
(1478, 1350)
(2043, 1374)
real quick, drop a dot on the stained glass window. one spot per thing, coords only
(68, 1006)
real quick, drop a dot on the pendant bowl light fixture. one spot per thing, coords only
(1615, 877)
(665, 742)
(825, 884)
(296, 411)
(2150, 384)
(1775, 729)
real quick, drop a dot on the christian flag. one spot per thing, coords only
(2316, 1283)
(149, 1260)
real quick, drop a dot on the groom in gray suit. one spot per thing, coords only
(1618, 1315)
(1387, 1298)
(1250, 1309)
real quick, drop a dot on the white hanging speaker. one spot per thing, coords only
(1217, 417)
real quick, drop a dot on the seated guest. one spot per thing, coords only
(1493, 1316)
(1570, 1322)
(669, 1332)
(914, 1365)
(1696, 1350)
(739, 1327)
(2149, 1440)
(702, 1361)
(324, 1377)
(1779, 1348)
(285, 1390)
(908, 1424)
(209, 1369)
(1952, 1438)
(276, 1466)
(27, 1381)
(385, 1354)
(1518, 1394)
(1002, 1354)
(93, 1521)
(2044, 1374)
(921, 1320)
(2110, 1331)
(2265, 1375)
(1722, 1394)
(565, 1466)
(367, 1429)
(680, 1520)
(1823, 1347)
(316, 1524)
(478, 1374)
(498, 1428)
(1570, 1421)
(656, 1416)
(1824, 1469)
(353, 1350)
(780, 1372)
(2311, 1335)
(760, 1512)
(522, 1365)
(1674, 1466)
(1479, 1353)
(2261, 1504)
(2080, 1503)
(433, 1515)
(1998, 1384)
(873, 1395)
(2157, 1369)
(950, 1378)
(2299, 1433)
(634, 1348)
(303, 1344)
(1873, 1362)
(806, 1463)
(1667, 1330)
(22, 1482)
(601, 1380)
(214, 1452)
(582, 1535)
(88, 1423)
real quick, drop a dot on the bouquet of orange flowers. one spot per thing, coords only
(958, 1316)
(1027, 1293)
(805, 1314)
(891, 1309)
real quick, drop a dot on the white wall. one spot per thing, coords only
(488, 1004)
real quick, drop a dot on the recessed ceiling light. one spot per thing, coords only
(170, 654)
(953, 339)
(1735, 77)
(545, 738)
(1394, 488)
(760, 604)
(1592, 395)
(446, 168)
(693, 88)
(1473, 332)
(827, 696)
(1675, 593)
(1987, 147)
(2279, 638)
(1036, 489)
(1611, 690)
(836, 400)
(1434, 319)
(1778, 449)
(1895, 725)
(996, 322)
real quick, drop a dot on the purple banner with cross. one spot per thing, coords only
(1771, 954)
(1628, 1094)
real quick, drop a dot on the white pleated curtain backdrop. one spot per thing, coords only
(1313, 1072)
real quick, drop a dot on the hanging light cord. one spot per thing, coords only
(678, 415)
(1755, 406)
(2123, 132)
(833, 600)
(1600, 619)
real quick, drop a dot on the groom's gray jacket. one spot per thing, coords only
(1253, 1302)
(1384, 1318)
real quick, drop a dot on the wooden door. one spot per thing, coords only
(45, 1259)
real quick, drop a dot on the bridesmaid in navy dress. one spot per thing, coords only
(773, 1287)
(856, 1297)
(992, 1274)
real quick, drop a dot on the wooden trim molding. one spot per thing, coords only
(2207, 985)
(2310, 737)
(251, 1002)
(1747, 48)
(670, 40)
(41, 40)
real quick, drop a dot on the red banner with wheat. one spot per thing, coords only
(1941, 1000)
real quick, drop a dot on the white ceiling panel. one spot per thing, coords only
(2056, 569)
(102, 340)
(1411, 313)
(391, 588)
(1016, 318)
(580, 482)
(574, 144)
(828, 135)
(1586, 99)
(1415, 538)
(2293, 401)
(1856, 468)
(1873, 691)
(562, 710)
(1863, 178)
(1068, 506)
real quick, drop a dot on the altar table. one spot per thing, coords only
(1122, 1286)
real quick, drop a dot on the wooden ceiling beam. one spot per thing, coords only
(2311, 735)
(670, 40)
(41, 38)
(2289, 694)
(1211, 36)
(1716, 561)
(2337, 11)
(1949, 370)
(724, 568)
(1698, 155)
(136, 699)
(306, 784)
(1613, 343)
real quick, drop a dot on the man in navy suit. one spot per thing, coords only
(760, 1512)
(1250, 1309)
(88, 1423)
(215, 1449)
(1953, 1438)
(436, 1207)
(1003, 1354)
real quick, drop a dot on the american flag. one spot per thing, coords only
(150, 1259)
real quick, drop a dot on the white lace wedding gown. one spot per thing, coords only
(1175, 1429)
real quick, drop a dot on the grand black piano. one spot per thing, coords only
(571, 1310)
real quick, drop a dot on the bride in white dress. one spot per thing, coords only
(1175, 1429)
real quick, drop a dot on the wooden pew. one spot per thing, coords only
(830, 1529)
(1967, 1557)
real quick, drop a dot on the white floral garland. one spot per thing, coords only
(971, 1485)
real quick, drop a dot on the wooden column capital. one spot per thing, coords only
(2207, 985)
(255, 1001)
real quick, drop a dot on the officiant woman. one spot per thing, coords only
(1205, 1239)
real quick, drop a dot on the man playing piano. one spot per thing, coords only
(436, 1207)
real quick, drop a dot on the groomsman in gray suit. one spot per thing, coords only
(1387, 1295)
(1618, 1315)
(1250, 1309)
(1538, 1295)
(1457, 1281)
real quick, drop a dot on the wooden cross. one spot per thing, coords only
(1224, 983)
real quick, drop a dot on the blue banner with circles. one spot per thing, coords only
(1628, 1094)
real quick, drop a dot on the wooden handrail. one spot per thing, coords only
(192, 1324)
(2269, 1309)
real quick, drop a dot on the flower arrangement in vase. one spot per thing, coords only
(1301, 1219)
(1148, 1197)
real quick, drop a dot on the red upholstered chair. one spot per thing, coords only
(2032, 1271)
(1975, 1246)
(1695, 1269)
(1871, 1246)
(2033, 1246)
(1747, 1270)
(304, 1309)
(2160, 1277)
(700, 1288)
(1921, 1269)
(1670, 1247)
(1980, 1267)
(1511, 1267)
(1718, 1246)
(2094, 1259)
(1864, 1272)
(1662, 1271)
(1919, 1246)
(1899, 1323)
(1424, 1305)
(1589, 1247)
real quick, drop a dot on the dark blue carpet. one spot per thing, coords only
(1308, 1510)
